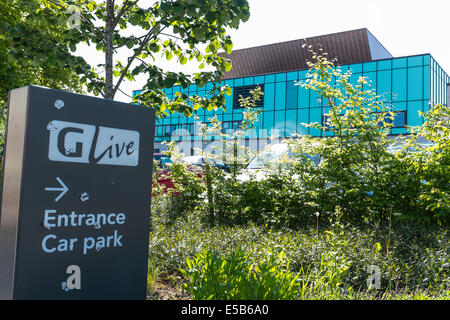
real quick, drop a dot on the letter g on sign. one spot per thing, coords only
(70, 141)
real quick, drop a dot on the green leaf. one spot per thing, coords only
(183, 60)
(169, 54)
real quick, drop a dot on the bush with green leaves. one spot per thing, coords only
(359, 172)
(187, 189)
(428, 165)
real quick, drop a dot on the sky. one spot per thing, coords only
(404, 27)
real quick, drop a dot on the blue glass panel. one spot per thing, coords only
(384, 64)
(291, 95)
(192, 89)
(399, 131)
(228, 102)
(269, 78)
(292, 76)
(302, 74)
(249, 81)
(259, 79)
(268, 119)
(238, 82)
(229, 83)
(208, 114)
(279, 119)
(303, 115)
(280, 95)
(314, 101)
(384, 85)
(303, 97)
(291, 121)
(415, 83)
(280, 77)
(259, 123)
(371, 78)
(399, 63)
(426, 60)
(399, 119)
(399, 106)
(343, 68)
(399, 85)
(269, 96)
(415, 61)
(356, 68)
(413, 113)
(174, 119)
(426, 82)
(369, 66)
(227, 117)
(237, 116)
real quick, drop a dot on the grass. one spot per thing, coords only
(330, 264)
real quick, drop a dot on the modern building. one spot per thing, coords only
(411, 84)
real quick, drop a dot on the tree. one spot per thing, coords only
(185, 29)
(30, 53)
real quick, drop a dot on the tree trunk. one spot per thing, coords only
(109, 88)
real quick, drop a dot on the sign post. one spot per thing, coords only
(77, 181)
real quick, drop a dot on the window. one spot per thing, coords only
(244, 91)
(399, 120)
(230, 126)
(291, 95)
(280, 95)
(384, 85)
(399, 85)
(415, 83)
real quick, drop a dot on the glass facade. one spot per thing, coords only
(410, 84)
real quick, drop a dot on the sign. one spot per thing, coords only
(77, 181)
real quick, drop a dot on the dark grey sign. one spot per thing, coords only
(77, 181)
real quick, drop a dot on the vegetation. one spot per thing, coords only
(313, 230)
(182, 30)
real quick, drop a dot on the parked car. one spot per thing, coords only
(275, 152)
(399, 146)
(200, 162)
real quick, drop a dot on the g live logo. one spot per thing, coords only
(84, 143)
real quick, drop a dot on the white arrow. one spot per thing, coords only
(63, 190)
